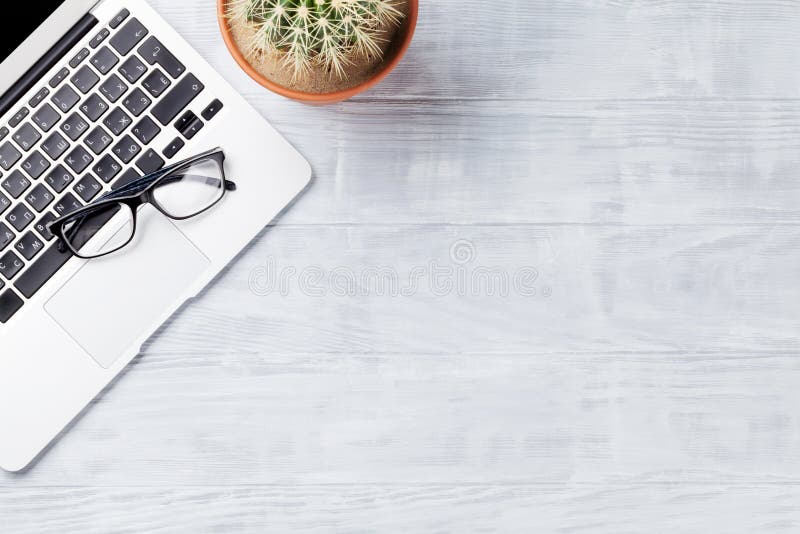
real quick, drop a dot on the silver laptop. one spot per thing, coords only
(97, 95)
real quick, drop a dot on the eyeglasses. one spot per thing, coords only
(181, 191)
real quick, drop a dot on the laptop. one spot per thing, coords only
(97, 94)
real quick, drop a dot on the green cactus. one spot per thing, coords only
(316, 32)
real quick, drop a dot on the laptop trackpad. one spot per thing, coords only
(116, 301)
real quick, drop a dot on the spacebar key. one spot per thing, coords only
(176, 100)
(42, 270)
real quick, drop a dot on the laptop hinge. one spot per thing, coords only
(46, 62)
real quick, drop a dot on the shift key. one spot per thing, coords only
(177, 99)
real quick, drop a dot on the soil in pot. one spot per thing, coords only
(318, 80)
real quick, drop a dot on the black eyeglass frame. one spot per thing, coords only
(138, 193)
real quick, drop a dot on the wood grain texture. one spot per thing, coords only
(639, 156)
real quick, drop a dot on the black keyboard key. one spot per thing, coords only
(133, 69)
(20, 217)
(42, 270)
(177, 99)
(193, 128)
(98, 39)
(98, 140)
(55, 145)
(74, 126)
(10, 264)
(94, 107)
(65, 98)
(27, 136)
(18, 117)
(174, 147)
(119, 18)
(128, 36)
(211, 111)
(10, 304)
(150, 162)
(85, 79)
(4, 133)
(6, 236)
(146, 130)
(126, 149)
(79, 58)
(9, 155)
(104, 60)
(39, 198)
(113, 88)
(78, 159)
(67, 204)
(39, 97)
(107, 168)
(185, 120)
(127, 177)
(59, 77)
(154, 53)
(4, 203)
(156, 83)
(35, 164)
(136, 102)
(59, 178)
(88, 188)
(117, 121)
(46, 118)
(41, 226)
(29, 246)
(16, 184)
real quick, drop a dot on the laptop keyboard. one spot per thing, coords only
(88, 129)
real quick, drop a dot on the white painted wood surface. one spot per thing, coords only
(641, 156)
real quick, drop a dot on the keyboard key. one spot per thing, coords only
(104, 60)
(35, 164)
(10, 265)
(16, 184)
(150, 162)
(39, 198)
(67, 204)
(4, 133)
(85, 79)
(212, 109)
(4, 203)
(127, 177)
(10, 304)
(193, 128)
(119, 19)
(65, 98)
(74, 126)
(42, 270)
(26, 136)
(79, 57)
(117, 121)
(174, 147)
(20, 217)
(41, 226)
(60, 76)
(78, 159)
(126, 149)
(113, 88)
(88, 188)
(9, 155)
(46, 118)
(29, 246)
(99, 38)
(156, 83)
(18, 117)
(59, 178)
(146, 130)
(136, 102)
(133, 69)
(94, 107)
(128, 36)
(55, 145)
(177, 99)
(153, 52)
(39, 97)
(107, 168)
(98, 140)
(6, 236)
(185, 120)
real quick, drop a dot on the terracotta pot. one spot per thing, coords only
(396, 52)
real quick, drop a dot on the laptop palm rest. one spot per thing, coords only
(130, 290)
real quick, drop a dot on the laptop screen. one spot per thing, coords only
(25, 21)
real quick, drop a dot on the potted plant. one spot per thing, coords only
(317, 51)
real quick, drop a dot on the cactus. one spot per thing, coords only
(310, 33)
